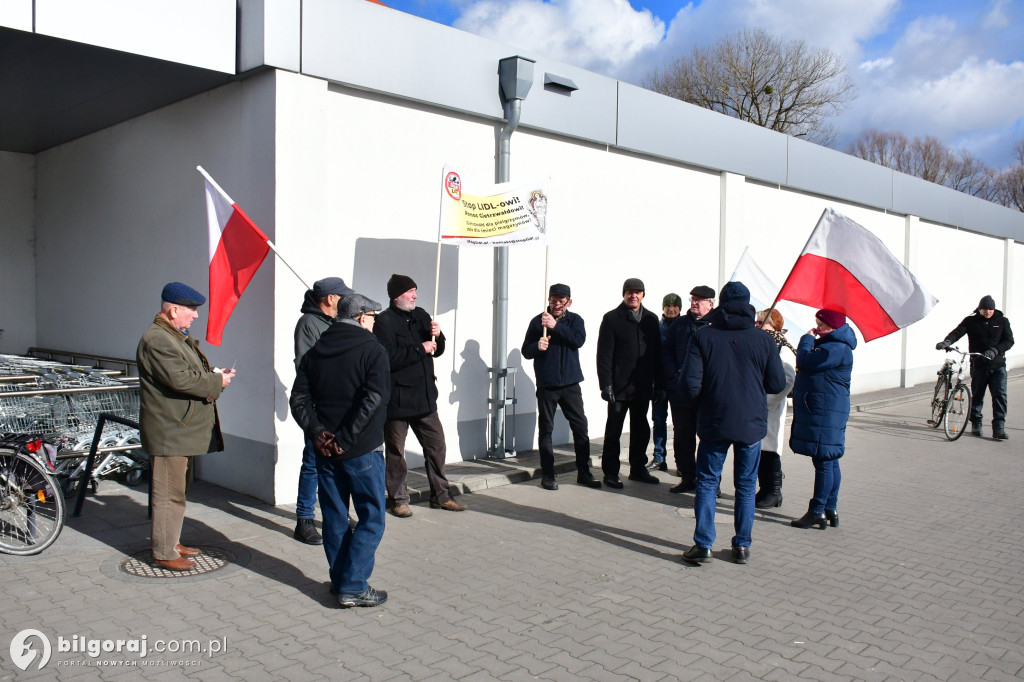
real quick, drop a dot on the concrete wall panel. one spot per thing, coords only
(17, 255)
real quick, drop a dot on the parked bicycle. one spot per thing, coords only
(951, 402)
(32, 508)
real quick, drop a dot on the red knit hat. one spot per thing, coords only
(831, 318)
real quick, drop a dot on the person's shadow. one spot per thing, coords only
(470, 388)
(521, 418)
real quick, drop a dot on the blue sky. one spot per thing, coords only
(953, 69)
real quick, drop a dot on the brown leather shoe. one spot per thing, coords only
(187, 551)
(402, 511)
(448, 505)
(179, 564)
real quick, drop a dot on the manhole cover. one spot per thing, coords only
(141, 564)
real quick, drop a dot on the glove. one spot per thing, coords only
(989, 354)
(606, 394)
(942, 345)
(326, 445)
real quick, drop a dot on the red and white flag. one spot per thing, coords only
(845, 267)
(237, 249)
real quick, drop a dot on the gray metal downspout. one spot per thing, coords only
(499, 357)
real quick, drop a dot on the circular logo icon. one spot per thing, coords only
(453, 185)
(23, 652)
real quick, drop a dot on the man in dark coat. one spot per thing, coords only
(340, 398)
(988, 332)
(319, 310)
(556, 365)
(178, 419)
(731, 367)
(684, 410)
(412, 340)
(629, 372)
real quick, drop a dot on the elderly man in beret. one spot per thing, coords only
(178, 415)
(556, 365)
(629, 372)
(340, 399)
(319, 310)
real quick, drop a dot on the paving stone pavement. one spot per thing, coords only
(921, 581)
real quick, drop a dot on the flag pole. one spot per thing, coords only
(437, 282)
(547, 257)
(269, 243)
(786, 281)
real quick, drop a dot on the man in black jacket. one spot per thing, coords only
(556, 365)
(732, 366)
(340, 398)
(412, 340)
(629, 372)
(684, 410)
(988, 332)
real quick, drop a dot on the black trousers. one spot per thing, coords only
(684, 439)
(639, 435)
(570, 399)
(993, 379)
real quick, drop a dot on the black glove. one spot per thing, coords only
(942, 345)
(990, 354)
(326, 445)
(607, 394)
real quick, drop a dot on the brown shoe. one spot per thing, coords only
(402, 511)
(448, 505)
(187, 551)
(179, 564)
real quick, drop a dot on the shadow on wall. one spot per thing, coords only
(410, 257)
(470, 390)
(521, 423)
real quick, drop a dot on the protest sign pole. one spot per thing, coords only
(547, 258)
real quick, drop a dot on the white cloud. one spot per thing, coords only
(876, 64)
(601, 35)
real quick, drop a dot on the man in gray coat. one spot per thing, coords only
(319, 311)
(177, 416)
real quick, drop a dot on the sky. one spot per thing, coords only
(952, 69)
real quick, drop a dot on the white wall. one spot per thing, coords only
(17, 253)
(121, 212)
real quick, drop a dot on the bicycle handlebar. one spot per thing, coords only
(963, 353)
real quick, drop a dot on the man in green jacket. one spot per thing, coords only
(178, 415)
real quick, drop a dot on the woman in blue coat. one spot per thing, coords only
(821, 406)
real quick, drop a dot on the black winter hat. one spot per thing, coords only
(703, 291)
(399, 284)
(634, 283)
(560, 290)
(734, 291)
(987, 303)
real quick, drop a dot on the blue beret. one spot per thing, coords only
(181, 294)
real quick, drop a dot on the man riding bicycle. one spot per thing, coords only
(988, 332)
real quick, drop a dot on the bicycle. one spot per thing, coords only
(32, 507)
(951, 401)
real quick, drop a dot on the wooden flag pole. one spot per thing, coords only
(547, 256)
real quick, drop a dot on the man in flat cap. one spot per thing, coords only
(319, 311)
(684, 409)
(340, 398)
(177, 416)
(556, 365)
(412, 340)
(629, 373)
(988, 332)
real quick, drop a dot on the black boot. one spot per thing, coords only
(810, 519)
(772, 496)
(762, 479)
(833, 517)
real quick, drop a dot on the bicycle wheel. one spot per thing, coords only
(958, 412)
(31, 505)
(938, 401)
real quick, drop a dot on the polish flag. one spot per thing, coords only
(237, 249)
(846, 268)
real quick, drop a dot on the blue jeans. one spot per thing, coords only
(350, 553)
(659, 415)
(710, 460)
(826, 485)
(306, 502)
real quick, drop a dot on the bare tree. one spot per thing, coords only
(927, 158)
(1009, 184)
(753, 76)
